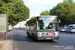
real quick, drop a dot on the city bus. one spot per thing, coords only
(43, 28)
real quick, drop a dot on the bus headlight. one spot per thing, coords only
(39, 34)
(56, 33)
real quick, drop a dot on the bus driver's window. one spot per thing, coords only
(40, 25)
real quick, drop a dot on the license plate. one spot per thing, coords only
(48, 38)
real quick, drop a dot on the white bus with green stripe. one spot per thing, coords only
(43, 28)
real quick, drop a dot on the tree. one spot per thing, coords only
(64, 11)
(45, 12)
(16, 10)
(70, 1)
(2, 7)
(6, 1)
(20, 11)
(71, 16)
(30, 19)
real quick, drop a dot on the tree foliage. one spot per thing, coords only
(70, 1)
(2, 7)
(65, 11)
(45, 12)
(6, 1)
(30, 19)
(16, 10)
(20, 12)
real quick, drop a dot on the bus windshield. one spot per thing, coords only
(47, 23)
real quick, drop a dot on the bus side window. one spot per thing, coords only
(27, 26)
(31, 26)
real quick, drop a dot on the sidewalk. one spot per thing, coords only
(4, 44)
(7, 44)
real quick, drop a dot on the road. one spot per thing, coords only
(22, 42)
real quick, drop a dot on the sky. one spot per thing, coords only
(37, 6)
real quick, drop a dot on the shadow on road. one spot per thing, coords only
(27, 39)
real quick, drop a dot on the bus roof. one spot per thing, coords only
(41, 16)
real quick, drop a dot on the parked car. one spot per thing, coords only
(63, 29)
(24, 28)
(70, 29)
(60, 28)
(20, 28)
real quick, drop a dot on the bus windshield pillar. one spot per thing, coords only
(37, 25)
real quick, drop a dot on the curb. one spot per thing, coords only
(10, 41)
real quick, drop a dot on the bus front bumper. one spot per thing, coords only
(48, 38)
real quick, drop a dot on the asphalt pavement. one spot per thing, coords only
(22, 42)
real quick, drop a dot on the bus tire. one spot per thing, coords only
(32, 35)
(51, 40)
(66, 31)
(71, 32)
(28, 34)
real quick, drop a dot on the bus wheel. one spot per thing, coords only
(32, 35)
(51, 40)
(28, 34)
(66, 31)
(71, 32)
